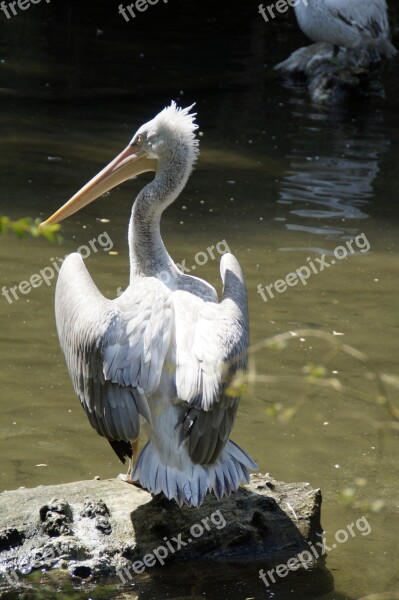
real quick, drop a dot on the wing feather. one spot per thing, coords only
(114, 350)
(118, 350)
(211, 346)
(370, 15)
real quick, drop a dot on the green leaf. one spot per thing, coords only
(29, 226)
(4, 224)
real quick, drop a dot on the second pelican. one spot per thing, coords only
(347, 23)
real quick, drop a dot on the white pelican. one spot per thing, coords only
(165, 352)
(348, 23)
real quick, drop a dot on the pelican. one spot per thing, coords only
(348, 23)
(164, 356)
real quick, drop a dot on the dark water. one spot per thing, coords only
(282, 183)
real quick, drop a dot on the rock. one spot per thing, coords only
(56, 517)
(94, 529)
(10, 538)
(331, 79)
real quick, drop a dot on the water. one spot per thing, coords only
(280, 181)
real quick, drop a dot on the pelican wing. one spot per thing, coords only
(114, 349)
(369, 16)
(211, 346)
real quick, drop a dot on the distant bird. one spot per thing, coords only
(348, 23)
(165, 352)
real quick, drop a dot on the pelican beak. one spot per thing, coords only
(129, 163)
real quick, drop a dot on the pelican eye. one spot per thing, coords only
(139, 139)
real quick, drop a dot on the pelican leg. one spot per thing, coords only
(336, 50)
(135, 451)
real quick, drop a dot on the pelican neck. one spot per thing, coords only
(148, 255)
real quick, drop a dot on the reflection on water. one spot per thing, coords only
(330, 179)
(274, 174)
(217, 579)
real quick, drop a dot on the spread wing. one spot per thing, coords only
(211, 346)
(117, 351)
(114, 349)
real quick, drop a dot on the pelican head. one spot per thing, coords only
(168, 137)
(171, 128)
